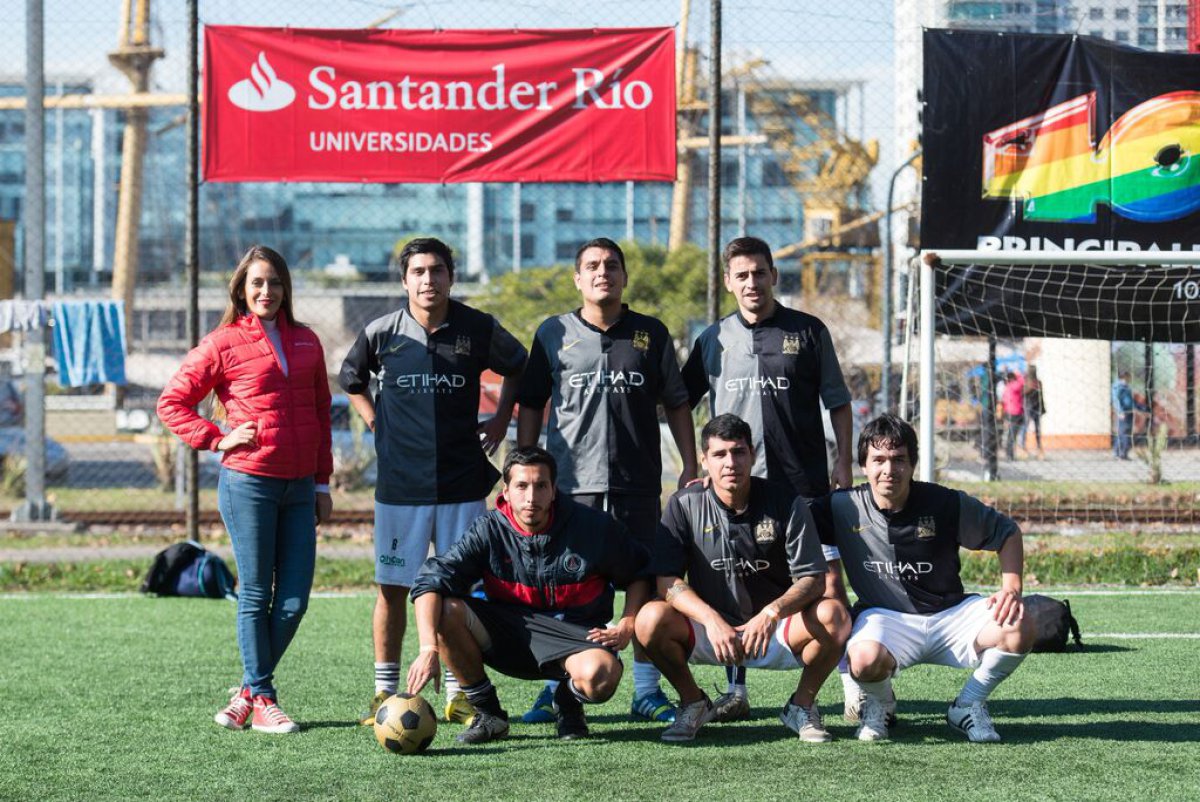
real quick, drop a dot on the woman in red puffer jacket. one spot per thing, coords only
(268, 372)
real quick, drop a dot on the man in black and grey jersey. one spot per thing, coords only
(773, 367)
(434, 473)
(604, 369)
(899, 542)
(755, 576)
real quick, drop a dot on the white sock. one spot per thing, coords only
(879, 690)
(994, 666)
(645, 678)
(450, 683)
(851, 689)
(387, 677)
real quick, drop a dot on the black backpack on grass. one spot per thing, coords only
(1052, 621)
(189, 569)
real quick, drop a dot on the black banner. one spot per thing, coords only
(1059, 143)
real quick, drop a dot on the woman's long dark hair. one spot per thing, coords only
(237, 285)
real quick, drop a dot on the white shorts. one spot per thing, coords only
(779, 656)
(945, 639)
(403, 534)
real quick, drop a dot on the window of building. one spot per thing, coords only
(1123, 37)
(1096, 32)
(773, 175)
(1121, 14)
(563, 251)
(564, 215)
(1147, 15)
(528, 212)
(529, 247)
(1095, 13)
(1147, 37)
(1177, 13)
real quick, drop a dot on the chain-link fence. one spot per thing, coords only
(818, 110)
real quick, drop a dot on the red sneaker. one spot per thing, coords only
(270, 718)
(236, 713)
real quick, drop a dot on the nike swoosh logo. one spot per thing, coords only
(708, 529)
(858, 530)
(393, 349)
(571, 345)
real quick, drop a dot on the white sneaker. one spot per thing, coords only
(688, 720)
(873, 724)
(973, 721)
(805, 722)
(854, 693)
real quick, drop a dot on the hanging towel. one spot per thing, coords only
(23, 316)
(89, 342)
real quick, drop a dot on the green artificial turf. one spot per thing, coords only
(112, 698)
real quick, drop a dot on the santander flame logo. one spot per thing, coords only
(263, 90)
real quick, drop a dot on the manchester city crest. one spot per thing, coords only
(791, 344)
(641, 340)
(926, 528)
(765, 531)
(462, 345)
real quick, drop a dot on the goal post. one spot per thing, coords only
(1175, 328)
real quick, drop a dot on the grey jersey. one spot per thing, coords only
(908, 560)
(738, 563)
(604, 387)
(427, 409)
(773, 374)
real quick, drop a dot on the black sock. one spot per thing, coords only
(568, 698)
(482, 696)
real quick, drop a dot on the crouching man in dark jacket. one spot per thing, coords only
(548, 566)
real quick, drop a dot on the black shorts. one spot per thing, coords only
(639, 513)
(527, 644)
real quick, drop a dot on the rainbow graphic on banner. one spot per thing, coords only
(1145, 168)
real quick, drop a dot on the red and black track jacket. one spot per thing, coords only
(570, 569)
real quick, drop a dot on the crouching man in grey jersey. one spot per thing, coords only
(899, 542)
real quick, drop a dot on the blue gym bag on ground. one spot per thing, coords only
(189, 569)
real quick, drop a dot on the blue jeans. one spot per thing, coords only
(272, 524)
(1124, 440)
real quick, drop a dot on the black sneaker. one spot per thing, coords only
(568, 711)
(484, 727)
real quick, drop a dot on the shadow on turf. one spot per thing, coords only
(328, 725)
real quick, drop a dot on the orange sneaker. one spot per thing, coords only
(237, 712)
(270, 718)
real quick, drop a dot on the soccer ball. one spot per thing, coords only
(405, 724)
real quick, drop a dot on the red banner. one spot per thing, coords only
(287, 104)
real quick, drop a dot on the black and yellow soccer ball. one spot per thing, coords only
(405, 724)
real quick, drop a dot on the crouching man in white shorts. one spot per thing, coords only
(755, 574)
(899, 541)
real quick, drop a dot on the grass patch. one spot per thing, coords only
(143, 677)
(1076, 494)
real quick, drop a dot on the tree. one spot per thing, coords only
(670, 286)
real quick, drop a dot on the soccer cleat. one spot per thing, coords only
(484, 727)
(368, 718)
(731, 707)
(973, 721)
(653, 707)
(688, 721)
(542, 711)
(805, 722)
(854, 695)
(235, 714)
(873, 724)
(270, 718)
(569, 711)
(459, 710)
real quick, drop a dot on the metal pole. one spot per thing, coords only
(629, 212)
(989, 439)
(59, 238)
(742, 159)
(191, 246)
(928, 402)
(886, 312)
(516, 228)
(36, 508)
(1190, 394)
(1149, 378)
(714, 163)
